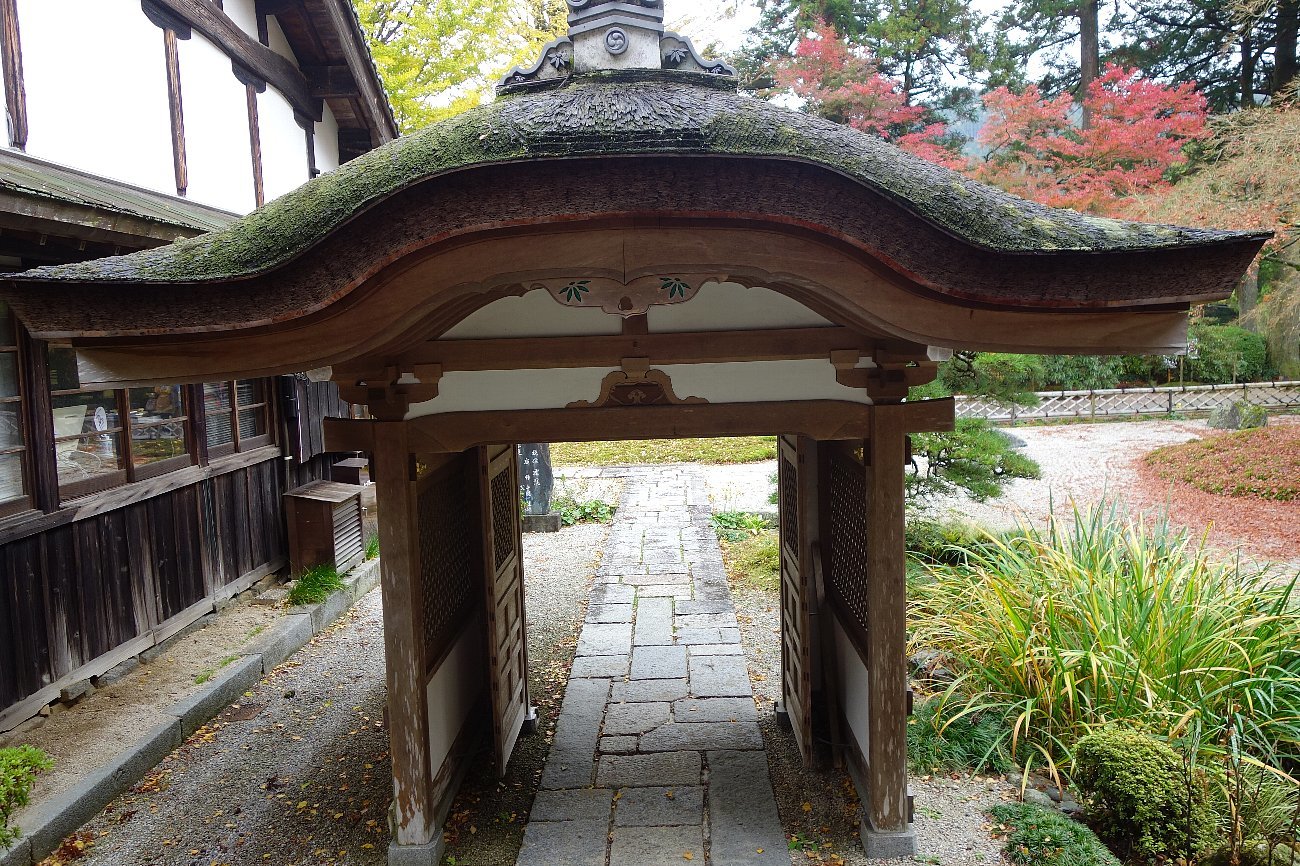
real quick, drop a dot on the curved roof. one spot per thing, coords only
(633, 113)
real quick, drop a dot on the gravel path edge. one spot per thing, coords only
(52, 822)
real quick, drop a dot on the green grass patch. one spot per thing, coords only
(1035, 836)
(207, 674)
(973, 743)
(737, 525)
(372, 546)
(315, 585)
(19, 766)
(754, 560)
(746, 449)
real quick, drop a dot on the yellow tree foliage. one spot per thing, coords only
(440, 57)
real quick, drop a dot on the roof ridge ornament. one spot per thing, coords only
(613, 35)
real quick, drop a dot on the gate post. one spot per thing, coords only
(886, 827)
(416, 839)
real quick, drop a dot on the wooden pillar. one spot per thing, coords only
(414, 808)
(886, 825)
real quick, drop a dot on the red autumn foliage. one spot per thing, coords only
(844, 84)
(1258, 464)
(1139, 128)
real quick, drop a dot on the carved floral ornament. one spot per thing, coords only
(633, 298)
(636, 385)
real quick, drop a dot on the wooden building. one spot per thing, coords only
(622, 246)
(127, 513)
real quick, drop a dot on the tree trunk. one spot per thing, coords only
(1284, 57)
(1248, 299)
(1248, 63)
(1089, 53)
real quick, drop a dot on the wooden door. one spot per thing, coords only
(796, 495)
(504, 583)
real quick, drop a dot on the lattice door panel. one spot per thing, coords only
(797, 600)
(504, 582)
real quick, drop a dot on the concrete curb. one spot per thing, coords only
(55, 820)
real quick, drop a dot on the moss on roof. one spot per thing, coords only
(613, 113)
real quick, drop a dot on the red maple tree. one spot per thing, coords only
(843, 83)
(1138, 132)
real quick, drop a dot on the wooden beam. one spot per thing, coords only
(11, 58)
(707, 347)
(331, 82)
(819, 419)
(255, 144)
(176, 110)
(886, 451)
(404, 645)
(209, 19)
(370, 95)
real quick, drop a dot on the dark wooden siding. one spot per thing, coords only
(93, 591)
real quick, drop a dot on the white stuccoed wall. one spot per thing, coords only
(96, 83)
(96, 79)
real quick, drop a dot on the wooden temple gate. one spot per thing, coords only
(623, 247)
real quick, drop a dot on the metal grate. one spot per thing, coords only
(505, 505)
(447, 539)
(788, 483)
(847, 579)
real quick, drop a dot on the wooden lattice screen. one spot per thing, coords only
(448, 536)
(797, 597)
(846, 581)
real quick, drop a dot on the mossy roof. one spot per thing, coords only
(616, 114)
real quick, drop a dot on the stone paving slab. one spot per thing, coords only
(715, 710)
(656, 846)
(658, 662)
(660, 807)
(658, 705)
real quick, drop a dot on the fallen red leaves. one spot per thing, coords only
(1261, 463)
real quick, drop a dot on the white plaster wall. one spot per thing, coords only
(534, 314)
(96, 79)
(327, 141)
(732, 307)
(243, 13)
(491, 390)
(216, 128)
(279, 43)
(853, 685)
(284, 145)
(453, 689)
(761, 381)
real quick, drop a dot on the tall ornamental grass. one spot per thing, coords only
(1103, 620)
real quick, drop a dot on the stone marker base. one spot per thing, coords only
(886, 846)
(428, 854)
(542, 523)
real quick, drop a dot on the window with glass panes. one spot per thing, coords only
(104, 438)
(237, 415)
(13, 451)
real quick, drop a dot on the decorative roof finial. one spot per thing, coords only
(614, 34)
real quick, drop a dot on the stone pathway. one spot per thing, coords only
(657, 756)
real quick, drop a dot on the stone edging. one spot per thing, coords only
(63, 815)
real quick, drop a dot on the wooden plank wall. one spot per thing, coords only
(92, 592)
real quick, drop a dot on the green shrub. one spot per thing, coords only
(1140, 796)
(1081, 372)
(972, 743)
(315, 585)
(573, 511)
(974, 457)
(1102, 619)
(1011, 378)
(948, 542)
(1042, 837)
(736, 525)
(18, 769)
(1226, 353)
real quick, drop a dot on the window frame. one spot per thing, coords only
(21, 403)
(238, 443)
(127, 472)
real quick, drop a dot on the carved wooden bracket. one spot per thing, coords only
(632, 298)
(637, 385)
(390, 392)
(889, 376)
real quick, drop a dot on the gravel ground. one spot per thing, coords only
(87, 735)
(305, 778)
